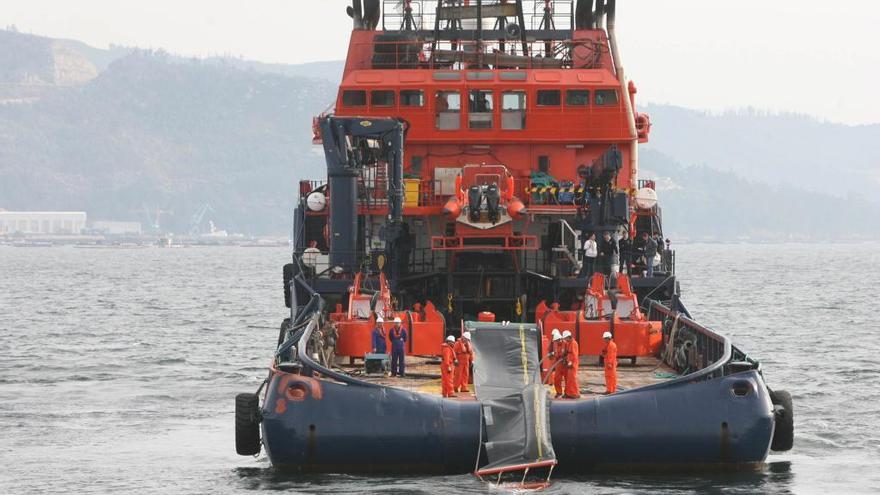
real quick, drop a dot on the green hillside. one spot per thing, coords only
(170, 135)
(152, 130)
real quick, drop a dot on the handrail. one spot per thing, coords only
(309, 363)
(705, 373)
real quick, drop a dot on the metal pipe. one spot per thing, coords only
(479, 25)
(357, 14)
(624, 94)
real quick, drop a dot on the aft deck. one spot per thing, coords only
(423, 376)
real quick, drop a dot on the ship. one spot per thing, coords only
(474, 149)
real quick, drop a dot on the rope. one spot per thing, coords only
(670, 345)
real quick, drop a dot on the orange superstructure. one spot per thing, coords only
(519, 140)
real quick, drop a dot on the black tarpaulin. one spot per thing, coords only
(515, 405)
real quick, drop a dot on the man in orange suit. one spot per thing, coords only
(609, 355)
(570, 363)
(447, 365)
(464, 355)
(557, 350)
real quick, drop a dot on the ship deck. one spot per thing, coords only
(423, 375)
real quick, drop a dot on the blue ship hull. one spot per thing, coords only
(359, 427)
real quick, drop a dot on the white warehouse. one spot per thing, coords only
(42, 222)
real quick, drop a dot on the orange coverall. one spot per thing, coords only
(559, 349)
(447, 363)
(610, 354)
(572, 354)
(465, 356)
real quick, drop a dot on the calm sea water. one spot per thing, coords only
(118, 369)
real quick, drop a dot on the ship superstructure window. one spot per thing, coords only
(606, 97)
(382, 98)
(480, 109)
(577, 98)
(412, 98)
(447, 107)
(354, 98)
(549, 97)
(513, 110)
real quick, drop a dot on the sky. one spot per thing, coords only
(812, 57)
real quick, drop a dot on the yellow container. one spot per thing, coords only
(411, 192)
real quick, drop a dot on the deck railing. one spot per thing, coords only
(424, 14)
(694, 351)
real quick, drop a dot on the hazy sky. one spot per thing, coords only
(810, 56)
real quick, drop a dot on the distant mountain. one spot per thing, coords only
(151, 132)
(117, 131)
(31, 65)
(785, 149)
(701, 203)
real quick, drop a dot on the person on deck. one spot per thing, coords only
(607, 254)
(447, 364)
(464, 356)
(609, 355)
(667, 257)
(380, 342)
(557, 351)
(591, 250)
(570, 363)
(650, 253)
(398, 340)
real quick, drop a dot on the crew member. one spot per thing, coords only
(398, 339)
(464, 356)
(570, 361)
(380, 344)
(447, 363)
(650, 253)
(557, 351)
(549, 359)
(608, 252)
(609, 354)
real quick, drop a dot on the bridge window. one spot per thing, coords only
(447, 106)
(549, 97)
(382, 98)
(606, 97)
(412, 98)
(480, 109)
(577, 98)
(513, 110)
(354, 98)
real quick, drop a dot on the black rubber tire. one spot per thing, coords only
(783, 434)
(247, 424)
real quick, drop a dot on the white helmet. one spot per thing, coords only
(606, 335)
(379, 319)
(466, 335)
(557, 336)
(397, 319)
(566, 334)
(555, 332)
(450, 339)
